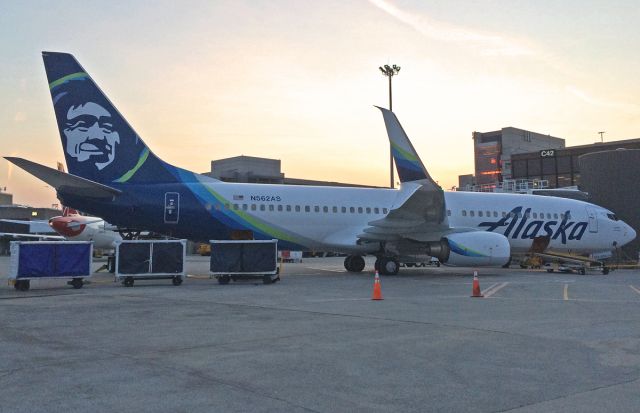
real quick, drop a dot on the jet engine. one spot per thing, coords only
(471, 249)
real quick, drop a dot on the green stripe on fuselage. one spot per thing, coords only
(255, 222)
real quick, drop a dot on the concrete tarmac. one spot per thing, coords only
(315, 342)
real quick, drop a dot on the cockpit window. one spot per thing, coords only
(612, 217)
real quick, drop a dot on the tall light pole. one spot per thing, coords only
(601, 134)
(390, 71)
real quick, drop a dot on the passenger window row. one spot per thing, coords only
(305, 208)
(494, 214)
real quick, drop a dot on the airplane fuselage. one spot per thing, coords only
(331, 218)
(113, 174)
(85, 228)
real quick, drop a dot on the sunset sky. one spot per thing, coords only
(297, 80)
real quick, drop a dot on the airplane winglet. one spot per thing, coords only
(408, 163)
(64, 182)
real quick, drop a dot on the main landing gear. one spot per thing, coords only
(384, 265)
(387, 265)
(354, 263)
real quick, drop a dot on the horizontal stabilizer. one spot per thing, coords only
(65, 183)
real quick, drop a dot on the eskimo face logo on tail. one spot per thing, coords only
(90, 134)
(519, 225)
(99, 144)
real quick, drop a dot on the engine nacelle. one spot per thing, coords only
(472, 249)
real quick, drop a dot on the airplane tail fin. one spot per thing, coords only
(408, 163)
(98, 142)
(67, 212)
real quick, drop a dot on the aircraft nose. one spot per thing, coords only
(631, 233)
(58, 225)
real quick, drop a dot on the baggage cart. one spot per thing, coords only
(231, 260)
(32, 260)
(150, 260)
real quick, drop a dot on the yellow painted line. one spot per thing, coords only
(634, 289)
(566, 292)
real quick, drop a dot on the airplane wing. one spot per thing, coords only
(40, 237)
(420, 216)
(23, 221)
(420, 212)
(408, 163)
(63, 182)
(36, 226)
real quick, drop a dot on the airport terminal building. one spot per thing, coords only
(494, 151)
(560, 167)
(8, 210)
(251, 169)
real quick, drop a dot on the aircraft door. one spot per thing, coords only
(593, 220)
(171, 207)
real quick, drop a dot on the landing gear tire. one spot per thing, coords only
(128, 282)
(76, 283)
(389, 266)
(22, 285)
(224, 279)
(605, 270)
(582, 271)
(347, 262)
(354, 263)
(176, 281)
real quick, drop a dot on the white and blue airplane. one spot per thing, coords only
(114, 175)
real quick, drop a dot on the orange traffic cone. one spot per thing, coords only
(476, 286)
(377, 290)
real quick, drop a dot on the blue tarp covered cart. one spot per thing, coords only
(247, 258)
(151, 260)
(49, 259)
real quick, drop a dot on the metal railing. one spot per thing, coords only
(508, 185)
